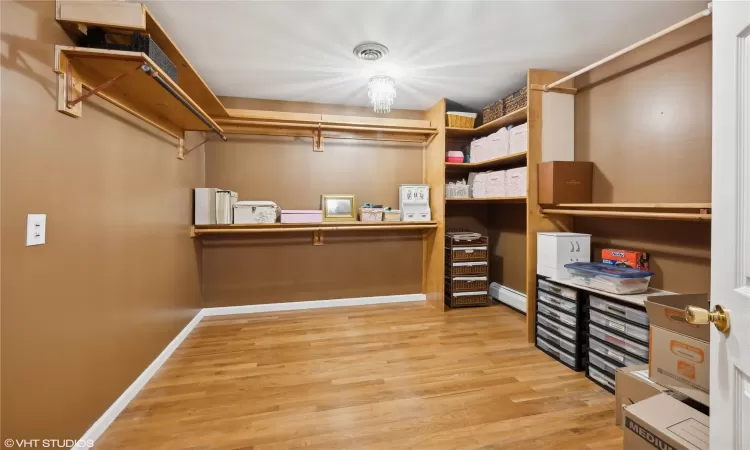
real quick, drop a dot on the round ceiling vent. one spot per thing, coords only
(370, 51)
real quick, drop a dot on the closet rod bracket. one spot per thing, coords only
(318, 237)
(318, 139)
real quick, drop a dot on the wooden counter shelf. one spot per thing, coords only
(487, 200)
(515, 118)
(316, 228)
(514, 159)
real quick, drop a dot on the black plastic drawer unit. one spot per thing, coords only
(561, 324)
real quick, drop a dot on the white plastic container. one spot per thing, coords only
(248, 212)
(617, 280)
(554, 250)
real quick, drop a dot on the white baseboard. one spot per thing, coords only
(293, 306)
(109, 416)
(510, 297)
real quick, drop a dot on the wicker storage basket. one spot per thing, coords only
(460, 299)
(493, 111)
(458, 254)
(461, 119)
(515, 101)
(371, 214)
(470, 268)
(464, 239)
(466, 284)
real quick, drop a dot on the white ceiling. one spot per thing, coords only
(470, 52)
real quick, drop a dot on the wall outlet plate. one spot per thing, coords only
(36, 229)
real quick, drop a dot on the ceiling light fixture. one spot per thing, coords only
(381, 89)
(382, 92)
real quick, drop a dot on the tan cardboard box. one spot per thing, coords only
(678, 351)
(632, 386)
(664, 423)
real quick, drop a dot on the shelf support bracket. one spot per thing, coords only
(318, 139)
(71, 102)
(318, 237)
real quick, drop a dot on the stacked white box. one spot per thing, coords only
(515, 182)
(495, 184)
(489, 147)
(518, 139)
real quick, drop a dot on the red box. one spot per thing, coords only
(625, 258)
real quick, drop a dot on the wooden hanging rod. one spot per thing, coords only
(636, 205)
(629, 214)
(638, 44)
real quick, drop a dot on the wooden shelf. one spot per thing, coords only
(492, 163)
(136, 92)
(514, 118)
(129, 17)
(487, 200)
(208, 230)
(318, 126)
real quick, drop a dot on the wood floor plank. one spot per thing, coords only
(390, 377)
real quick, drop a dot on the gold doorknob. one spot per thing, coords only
(700, 316)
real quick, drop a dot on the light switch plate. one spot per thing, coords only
(36, 229)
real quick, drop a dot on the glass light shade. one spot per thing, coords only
(382, 92)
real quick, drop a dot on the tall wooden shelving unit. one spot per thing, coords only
(436, 170)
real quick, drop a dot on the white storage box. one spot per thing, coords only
(495, 184)
(255, 212)
(518, 139)
(554, 250)
(516, 181)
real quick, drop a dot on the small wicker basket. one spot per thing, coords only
(371, 214)
(461, 119)
(515, 101)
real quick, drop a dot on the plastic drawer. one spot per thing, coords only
(602, 364)
(628, 329)
(563, 291)
(563, 318)
(556, 352)
(636, 349)
(553, 338)
(621, 357)
(560, 302)
(601, 378)
(631, 314)
(563, 331)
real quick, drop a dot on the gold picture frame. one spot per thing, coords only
(341, 208)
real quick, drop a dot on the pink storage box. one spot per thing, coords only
(454, 156)
(301, 216)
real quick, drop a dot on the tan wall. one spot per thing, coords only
(83, 315)
(285, 170)
(648, 132)
(507, 233)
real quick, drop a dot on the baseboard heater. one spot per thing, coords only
(510, 297)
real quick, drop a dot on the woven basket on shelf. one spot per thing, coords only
(515, 101)
(461, 120)
(455, 285)
(493, 111)
(467, 300)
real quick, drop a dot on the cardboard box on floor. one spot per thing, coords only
(678, 351)
(664, 423)
(632, 386)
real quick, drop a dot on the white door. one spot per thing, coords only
(730, 230)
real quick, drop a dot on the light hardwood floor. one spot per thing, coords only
(390, 377)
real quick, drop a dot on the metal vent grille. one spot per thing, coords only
(370, 51)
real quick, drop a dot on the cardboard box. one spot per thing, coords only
(632, 386)
(565, 182)
(678, 351)
(625, 258)
(664, 423)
